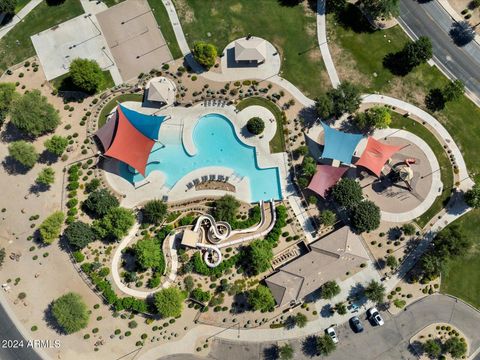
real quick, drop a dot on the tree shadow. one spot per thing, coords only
(239, 304)
(327, 311)
(462, 33)
(397, 63)
(394, 233)
(13, 167)
(309, 346)
(357, 294)
(12, 133)
(46, 157)
(380, 264)
(54, 2)
(6, 19)
(308, 116)
(415, 348)
(435, 101)
(51, 321)
(351, 18)
(38, 188)
(289, 323)
(289, 3)
(271, 353)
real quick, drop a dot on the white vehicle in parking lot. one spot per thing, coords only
(331, 332)
(375, 315)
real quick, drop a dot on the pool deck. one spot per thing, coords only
(181, 122)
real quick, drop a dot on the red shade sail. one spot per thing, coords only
(325, 177)
(376, 154)
(129, 145)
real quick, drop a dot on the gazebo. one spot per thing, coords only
(325, 177)
(251, 49)
(121, 140)
(161, 90)
(339, 145)
(376, 154)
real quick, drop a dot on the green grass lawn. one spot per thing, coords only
(39, 19)
(277, 144)
(292, 29)
(20, 5)
(400, 122)
(111, 3)
(112, 103)
(64, 83)
(461, 276)
(163, 21)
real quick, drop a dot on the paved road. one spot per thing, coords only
(389, 342)
(430, 19)
(8, 331)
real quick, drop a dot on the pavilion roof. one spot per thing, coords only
(339, 145)
(325, 177)
(128, 144)
(376, 154)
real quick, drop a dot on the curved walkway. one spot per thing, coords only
(117, 257)
(322, 43)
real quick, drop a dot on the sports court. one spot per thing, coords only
(79, 37)
(134, 38)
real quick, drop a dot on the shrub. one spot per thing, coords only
(86, 75)
(79, 234)
(205, 54)
(255, 125)
(261, 298)
(169, 302)
(70, 312)
(46, 176)
(154, 211)
(56, 145)
(99, 202)
(23, 152)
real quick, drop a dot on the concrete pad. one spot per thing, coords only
(134, 38)
(79, 37)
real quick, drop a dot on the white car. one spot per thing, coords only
(375, 315)
(331, 332)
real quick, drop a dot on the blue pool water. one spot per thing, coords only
(217, 145)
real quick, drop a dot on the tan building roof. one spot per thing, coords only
(190, 238)
(253, 49)
(330, 258)
(161, 90)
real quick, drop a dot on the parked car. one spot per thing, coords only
(331, 332)
(356, 324)
(373, 314)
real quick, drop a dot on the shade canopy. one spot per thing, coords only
(128, 145)
(376, 154)
(107, 132)
(148, 125)
(161, 90)
(339, 145)
(325, 177)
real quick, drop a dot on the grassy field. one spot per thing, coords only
(292, 29)
(163, 21)
(461, 277)
(400, 122)
(64, 82)
(110, 105)
(277, 144)
(358, 54)
(16, 46)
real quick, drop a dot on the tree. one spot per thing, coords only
(472, 196)
(33, 115)
(462, 33)
(226, 208)
(324, 107)
(86, 75)
(46, 176)
(285, 352)
(325, 345)
(51, 227)
(330, 289)
(327, 218)
(99, 202)
(56, 145)
(418, 52)
(205, 54)
(261, 298)
(377, 117)
(169, 302)
(23, 152)
(366, 216)
(431, 265)
(200, 295)
(432, 348)
(8, 7)
(301, 320)
(309, 166)
(70, 312)
(154, 212)
(7, 93)
(79, 235)
(312, 200)
(149, 255)
(391, 262)
(453, 90)
(408, 229)
(456, 347)
(115, 224)
(345, 98)
(347, 192)
(341, 308)
(381, 8)
(375, 291)
(255, 125)
(451, 242)
(258, 256)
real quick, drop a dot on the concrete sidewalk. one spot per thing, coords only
(19, 17)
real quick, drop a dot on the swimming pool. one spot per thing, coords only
(217, 145)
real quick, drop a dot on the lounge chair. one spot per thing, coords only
(220, 177)
(196, 181)
(204, 178)
(227, 178)
(212, 177)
